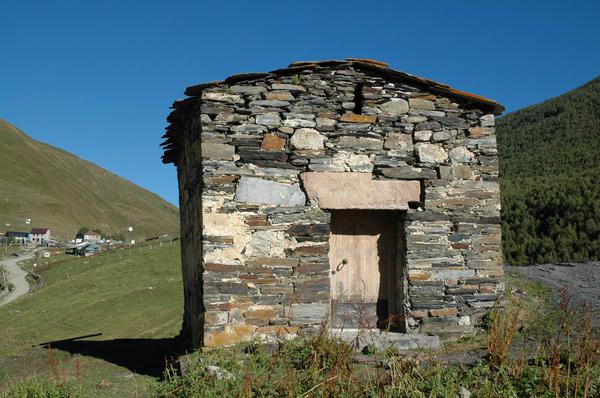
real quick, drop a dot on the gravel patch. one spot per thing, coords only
(583, 280)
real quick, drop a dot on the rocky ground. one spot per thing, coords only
(582, 279)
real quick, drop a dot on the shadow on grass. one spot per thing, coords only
(142, 356)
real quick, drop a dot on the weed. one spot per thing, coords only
(37, 387)
(502, 330)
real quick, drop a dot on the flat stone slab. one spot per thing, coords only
(259, 191)
(382, 340)
(331, 190)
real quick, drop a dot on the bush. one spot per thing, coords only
(40, 388)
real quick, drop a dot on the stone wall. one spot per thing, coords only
(255, 248)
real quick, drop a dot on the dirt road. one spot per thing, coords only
(16, 276)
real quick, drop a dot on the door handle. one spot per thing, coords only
(341, 265)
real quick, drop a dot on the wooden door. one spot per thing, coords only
(362, 259)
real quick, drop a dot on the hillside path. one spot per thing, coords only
(16, 276)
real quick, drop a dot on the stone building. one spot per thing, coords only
(336, 193)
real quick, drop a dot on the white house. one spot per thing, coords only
(40, 236)
(92, 236)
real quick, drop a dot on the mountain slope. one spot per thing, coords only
(58, 190)
(550, 179)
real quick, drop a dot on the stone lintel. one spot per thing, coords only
(331, 190)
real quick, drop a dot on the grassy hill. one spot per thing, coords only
(133, 292)
(58, 190)
(550, 179)
(133, 297)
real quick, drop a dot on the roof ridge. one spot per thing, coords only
(374, 67)
(365, 63)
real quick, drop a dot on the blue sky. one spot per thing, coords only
(97, 78)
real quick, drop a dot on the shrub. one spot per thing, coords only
(38, 387)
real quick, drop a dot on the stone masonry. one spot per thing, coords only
(255, 244)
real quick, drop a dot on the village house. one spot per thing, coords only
(336, 193)
(89, 250)
(21, 237)
(40, 236)
(92, 236)
(84, 249)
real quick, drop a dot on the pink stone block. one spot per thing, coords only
(331, 190)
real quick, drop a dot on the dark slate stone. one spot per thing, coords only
(426, 216)
(314, 239)
(488, 160)
(312, 267)
(213, 109)
(284, 215)
(476, 220)
(311, 251)
(480, 297)
(272, 164)
(270, 103)
(283, 272)
(478, 281)
(426, 304)
(299, 161)
(230, 287)
(246, 153)
(409, 173)
(460, 290)
(423, 295)
(458, 237)
(247, 142)
(396, 161)
(272, 262)
(308, 230)
(313, 285)
(428, 126)
(226, 188)
(452, 122)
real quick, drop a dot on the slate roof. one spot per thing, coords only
(39, 231)
(16, 234)
(373, 67)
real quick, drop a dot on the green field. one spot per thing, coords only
(58, 190)
(131, 297)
